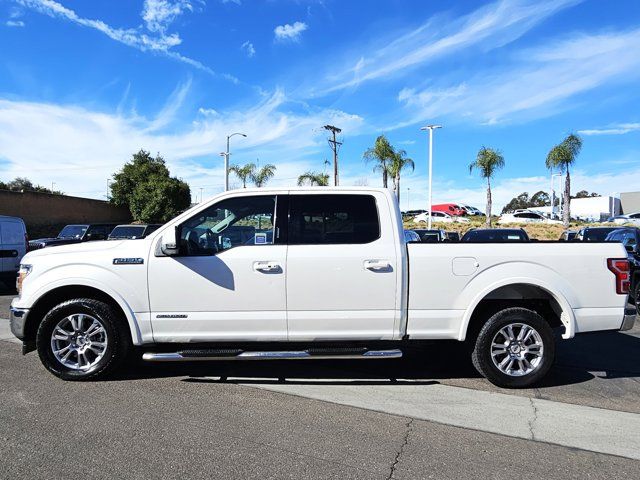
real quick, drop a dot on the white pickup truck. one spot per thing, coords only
(311, 273)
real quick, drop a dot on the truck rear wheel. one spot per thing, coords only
(82, 339)
(514, 349)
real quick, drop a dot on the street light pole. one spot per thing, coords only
(431, 128)
(226, 160)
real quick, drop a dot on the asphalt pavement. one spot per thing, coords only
(325, 419)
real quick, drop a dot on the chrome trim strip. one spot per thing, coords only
(276, 355)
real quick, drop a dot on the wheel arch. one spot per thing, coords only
(57, 294)
(529, 293)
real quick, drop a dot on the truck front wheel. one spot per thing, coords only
(82, 339)
(514, 349)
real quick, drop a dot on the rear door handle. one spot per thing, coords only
(267, 267)
(377, 265)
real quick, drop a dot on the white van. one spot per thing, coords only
(13, 246)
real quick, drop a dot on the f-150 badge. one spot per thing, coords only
(128, 261)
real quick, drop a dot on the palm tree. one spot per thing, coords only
(399, 161)
(244, 172)
(262, 176)
(487, 163)
(561, 156)
(313, 178)
(382, 154)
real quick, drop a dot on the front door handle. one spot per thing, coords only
(377, 265)
(267, 267)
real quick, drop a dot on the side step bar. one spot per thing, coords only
(311, 354)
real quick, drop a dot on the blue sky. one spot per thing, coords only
(83, 85)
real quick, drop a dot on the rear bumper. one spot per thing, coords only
(18, 320)
(630, 315)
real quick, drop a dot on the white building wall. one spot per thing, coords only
(590, 208)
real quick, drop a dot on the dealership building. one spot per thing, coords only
(630, 202)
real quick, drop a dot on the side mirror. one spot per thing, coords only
(630, 248)
(169, 242)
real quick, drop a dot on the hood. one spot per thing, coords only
(95, 246)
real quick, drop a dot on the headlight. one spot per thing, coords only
(24, 271)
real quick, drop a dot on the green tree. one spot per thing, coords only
(313, 178)
(399, 162)
(516, 203)
(244, 173)
(20, 184)
(382, 154)
(263, 175)
(561, 157)
(586, 194)
(146, 188)
(487, 162)
(539, 199)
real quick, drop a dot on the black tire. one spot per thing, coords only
(118, 338)
(482, 357)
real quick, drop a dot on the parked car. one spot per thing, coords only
(411, 236)
(132, 232)
(452, 209)
(472, 210)
(431, 236)
(593, 234)
(630, 238)
(568, 235)
(453, 236)
(495, 235)
(332, 283)
(439, 217)
(13, 246)
(631, 218)
(525, 217)
(75, 234)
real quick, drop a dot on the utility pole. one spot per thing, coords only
(335, 145)
(226, 154)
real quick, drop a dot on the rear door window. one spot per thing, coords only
(333, 219)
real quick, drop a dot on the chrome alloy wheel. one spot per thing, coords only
(79, 341)
(517, 349)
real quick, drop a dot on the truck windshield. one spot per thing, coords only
(73, 231)
(495, 236)
(127, 232)
(597, 234)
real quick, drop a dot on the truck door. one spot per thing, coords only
(228, 283)
(342, 269)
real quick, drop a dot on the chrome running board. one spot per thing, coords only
(311, 354)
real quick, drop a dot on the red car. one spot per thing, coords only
(452, 209)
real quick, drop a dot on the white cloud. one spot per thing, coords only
(488, 27)
(535, 86)
(14, 23)
(157, 41)
(77, 141)
(290, 32)
(249, 49)
(618, 129)
(159, 14)
(237, 2)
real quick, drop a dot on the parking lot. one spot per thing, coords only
(427, 415)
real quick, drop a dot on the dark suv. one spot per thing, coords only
(75, 234)
(630, 238)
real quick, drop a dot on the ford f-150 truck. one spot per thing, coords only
(312, 273)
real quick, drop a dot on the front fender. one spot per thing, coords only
(104, 280)
(506, 274)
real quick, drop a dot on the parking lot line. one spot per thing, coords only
(576, 426)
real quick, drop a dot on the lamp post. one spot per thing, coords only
(408, 202)
(431, 128)
(226, 160)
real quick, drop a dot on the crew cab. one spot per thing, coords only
(311, 273)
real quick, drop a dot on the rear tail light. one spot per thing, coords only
(620, 268)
